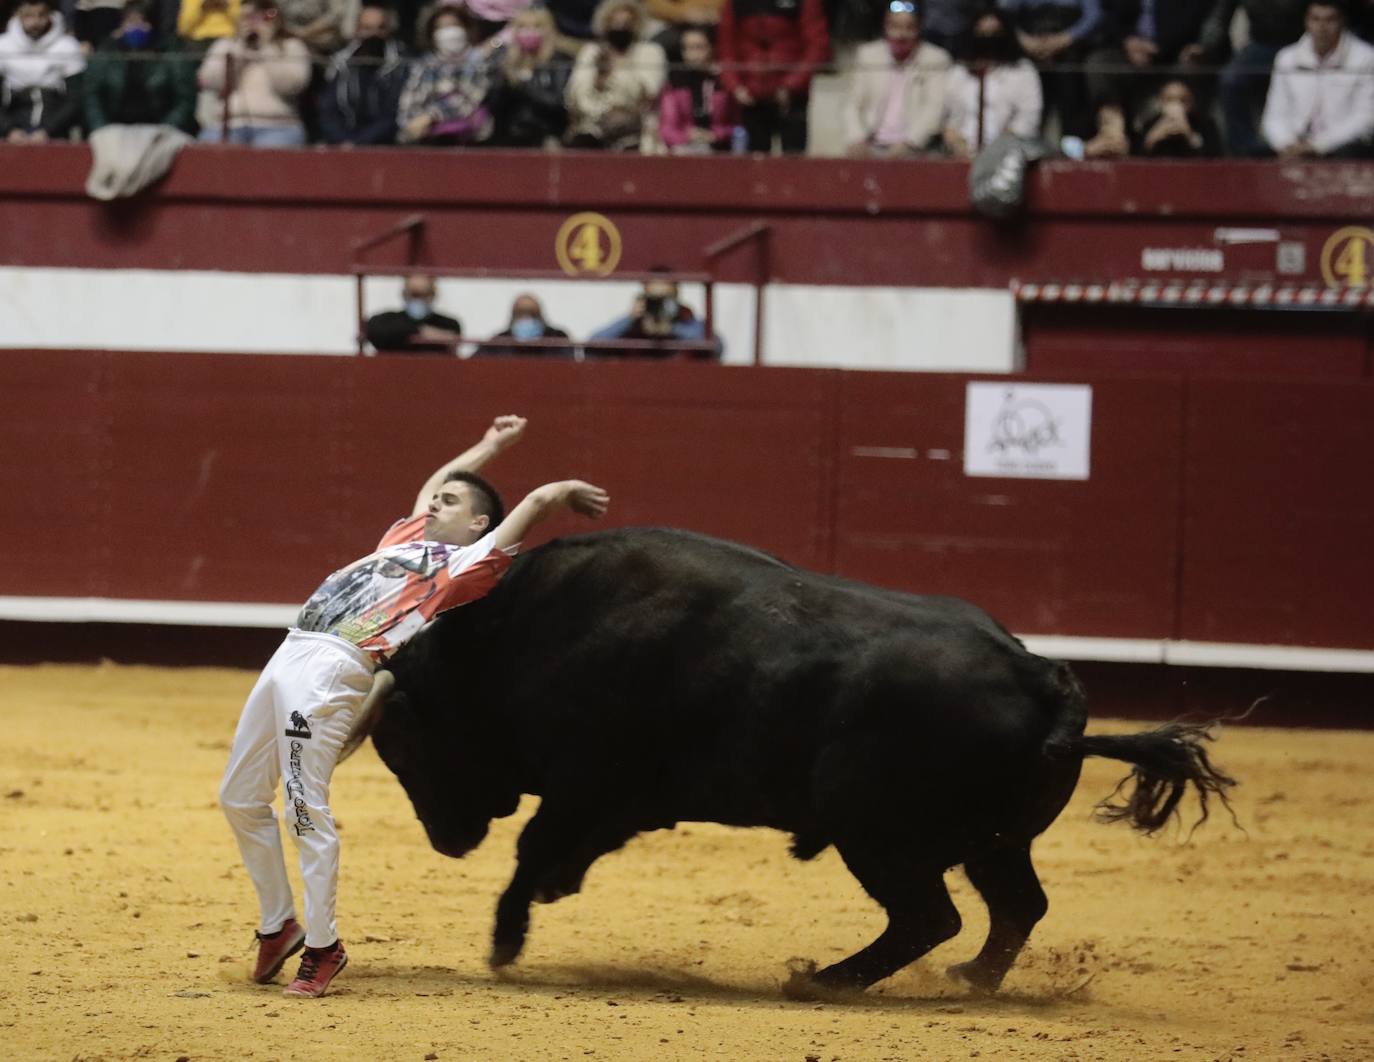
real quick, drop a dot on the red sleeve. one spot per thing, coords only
(726, 52)
(815, 47)
(411, 529)
(474, 581)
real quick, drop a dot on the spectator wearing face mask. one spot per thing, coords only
(696, 114)
(449, 95)
(40, 76)
(897, 96)
(1009, 94)
(1172, 125)
(416, 329)
(362, 87)
(260, 100)
(613, 92)
(531, 111)
(768, 52)
(527, 324)
(657, 315)
(128, 84)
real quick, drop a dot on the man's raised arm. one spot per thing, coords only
(543, 501)
(504, 432)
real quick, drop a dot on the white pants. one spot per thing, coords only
(292, 728)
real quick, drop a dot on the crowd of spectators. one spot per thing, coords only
(658, 325)
(1100, 78)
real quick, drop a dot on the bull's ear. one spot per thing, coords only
(380, 698)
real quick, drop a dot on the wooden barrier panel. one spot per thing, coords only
(1221, 510)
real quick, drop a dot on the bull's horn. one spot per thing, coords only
(382, 683)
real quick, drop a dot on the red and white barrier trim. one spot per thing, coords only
(1204, 293)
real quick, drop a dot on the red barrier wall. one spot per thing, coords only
(1224, 510)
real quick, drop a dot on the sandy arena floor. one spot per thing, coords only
(127, 920)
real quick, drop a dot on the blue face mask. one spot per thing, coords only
(527, 328)
(136, 37)
(418, 309)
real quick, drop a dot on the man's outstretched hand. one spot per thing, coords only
(505, 431)
(587, 500)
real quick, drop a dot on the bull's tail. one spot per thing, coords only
(1166, 762)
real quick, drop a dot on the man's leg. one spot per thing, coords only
(327, 686)
(1244, 82)
(246, 793)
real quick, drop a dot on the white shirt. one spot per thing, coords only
(1012, 102)
(1327, 102)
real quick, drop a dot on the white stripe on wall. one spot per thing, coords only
(807, 325)
(1059, 647)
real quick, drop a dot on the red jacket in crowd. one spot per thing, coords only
(778, 44)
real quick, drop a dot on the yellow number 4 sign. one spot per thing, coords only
(587, 243)
(1346, 258)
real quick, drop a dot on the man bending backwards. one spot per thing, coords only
(452, 550)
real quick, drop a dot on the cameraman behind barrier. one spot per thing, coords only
(657, 314)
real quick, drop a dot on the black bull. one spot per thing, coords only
(640, 678)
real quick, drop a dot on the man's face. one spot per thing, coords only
(420, 288)
(901, 26)
(372, 22)
(696, 49)
(660, 289)
(35, 20)
(452, 517)
(1324, 25)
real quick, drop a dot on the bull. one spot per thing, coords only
(639, 678)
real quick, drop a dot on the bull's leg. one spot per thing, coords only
(1016, 902)
(920, 914)
(555, 849)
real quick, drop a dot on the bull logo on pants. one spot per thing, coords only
(300, 726)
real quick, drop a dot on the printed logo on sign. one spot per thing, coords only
(1346, 259)
(587, 243)
(300, 726)
(1182, 260)
(1029, 431)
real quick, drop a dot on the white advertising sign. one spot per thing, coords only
(1027, 431)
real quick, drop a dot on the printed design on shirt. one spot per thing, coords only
(295, 792)
(358, 601)
(300, 726)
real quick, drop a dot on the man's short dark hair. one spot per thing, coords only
(488, 502)
(1340, 6)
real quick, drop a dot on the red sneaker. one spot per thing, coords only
(275, 948)
(319, 966)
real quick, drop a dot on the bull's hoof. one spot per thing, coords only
(977, 976)
(806, 985)
(503, 954)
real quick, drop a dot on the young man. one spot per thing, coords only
(452, 549)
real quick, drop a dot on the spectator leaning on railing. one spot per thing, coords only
(896, 101)
(1009, 94)
(127, 83)
(1141, 35)
(1321, 97)
(657, 315)
(532, 111)
(362, 87)
(257, 79)
(40, 76)
(696, 114)
(527, 335)
(416, 329)
(1173, 125)
(768, 52)
(613, 92)
(1273, 24)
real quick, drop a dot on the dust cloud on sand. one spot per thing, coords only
(127, 919)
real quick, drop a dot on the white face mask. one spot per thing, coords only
(450, 40)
